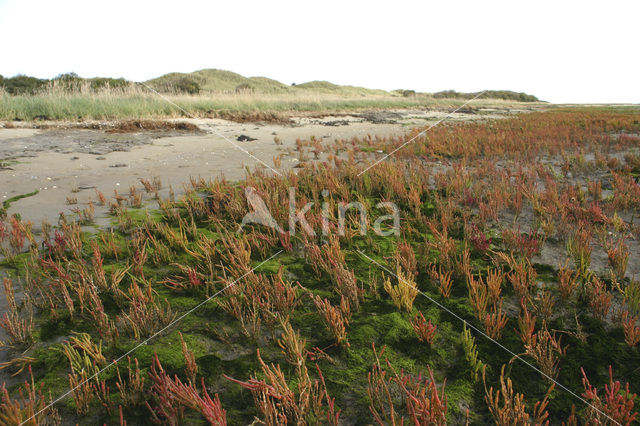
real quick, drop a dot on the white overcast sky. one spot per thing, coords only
(560, 51)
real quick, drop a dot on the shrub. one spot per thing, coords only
(567, 282)
(443, 279)
(334, 317)
(599, 299)
(402, 294)
(424, 404)
(29, 408)
(489, 94)
(508, 407)
(173, 396)
(579, 249)
(495, 321)
(632, 296)
(617, 404)
(522, 244)
(425, 330)
(546, 350)
(471, 353)
(22, 84)
(18, 329)
(631, 330)
(478, 239)
(186, 85)
(281, 404)
(618, 254)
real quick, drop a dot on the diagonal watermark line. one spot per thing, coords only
(148, 339)
(212, 129)
(501, 346)
(422, 133)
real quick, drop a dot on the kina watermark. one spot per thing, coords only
(383, 225)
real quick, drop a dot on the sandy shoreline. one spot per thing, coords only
(73, 163)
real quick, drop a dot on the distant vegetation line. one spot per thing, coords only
(489, 94)
(205, 93)
(212, 80)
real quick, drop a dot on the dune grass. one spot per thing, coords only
(210, 93)
(140, 104)
(205, 93)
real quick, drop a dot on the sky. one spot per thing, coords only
(560, 51)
